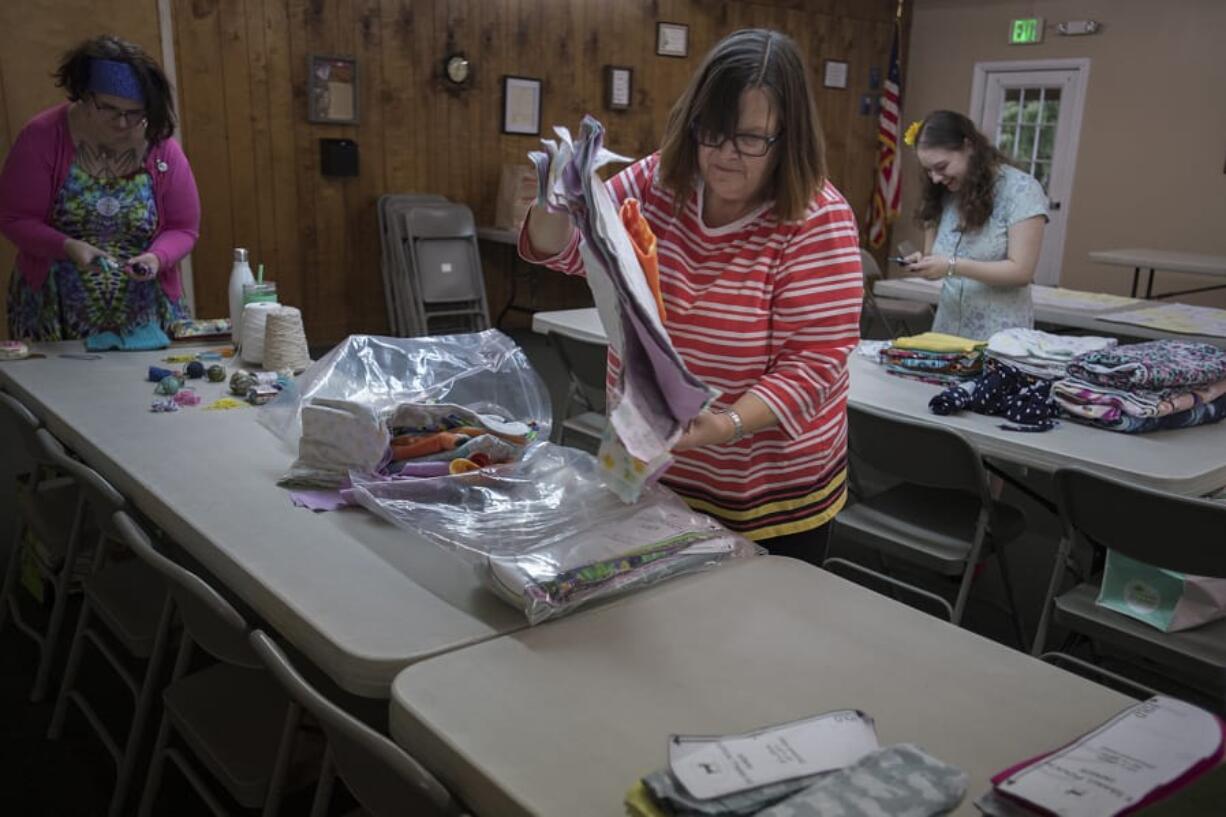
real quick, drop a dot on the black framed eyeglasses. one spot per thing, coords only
(746, 144)
(128, 118)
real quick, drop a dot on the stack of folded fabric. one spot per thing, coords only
(1162, 384)
(1042, 354)
(900, 779)
(934, 358)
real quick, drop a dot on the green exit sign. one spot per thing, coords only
(1026, 31)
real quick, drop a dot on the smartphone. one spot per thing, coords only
(899, 260)
(905, 248)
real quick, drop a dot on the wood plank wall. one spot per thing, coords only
(242, 73)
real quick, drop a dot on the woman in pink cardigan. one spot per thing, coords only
(99, 200)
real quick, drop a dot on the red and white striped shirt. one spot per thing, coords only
(765, 307)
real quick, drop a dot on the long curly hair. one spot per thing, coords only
(73, 76)
(950, 130)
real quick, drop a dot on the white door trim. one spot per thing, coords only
(1081, 67)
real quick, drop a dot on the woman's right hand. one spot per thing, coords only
(82, 253)
(912, 258)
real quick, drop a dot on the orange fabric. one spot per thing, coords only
(411, 446)
(644, 241)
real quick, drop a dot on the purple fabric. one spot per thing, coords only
(423, 469)
(34, 172)
(319, 500)
(115, 78)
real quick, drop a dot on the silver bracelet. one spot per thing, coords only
(738, 426)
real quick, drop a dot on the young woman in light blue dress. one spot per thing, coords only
(983, 225)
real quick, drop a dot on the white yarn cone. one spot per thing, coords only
(285, 343)
(255, 317)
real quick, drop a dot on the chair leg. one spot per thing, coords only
(323, 789)
(972, 559)
(75, 652)
(144, 703)
(14, 565)
(285, 752)
(60, 606)
(1053, 587)
(1006, 578)
(157, 761)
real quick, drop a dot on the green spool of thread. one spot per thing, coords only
(216, 373)
(241, 383)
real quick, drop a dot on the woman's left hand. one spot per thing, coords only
(143, 267)
(708, 428)
(930, 267)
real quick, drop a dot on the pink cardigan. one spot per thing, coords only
(34, 172)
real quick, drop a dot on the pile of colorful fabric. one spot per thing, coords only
(1042, 354)
(1162, 384)
(935, 358)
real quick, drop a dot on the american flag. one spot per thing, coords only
(887, 191)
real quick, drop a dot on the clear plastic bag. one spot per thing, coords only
(347, 397)
(545, 533)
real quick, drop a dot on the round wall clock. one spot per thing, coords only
(457, 68)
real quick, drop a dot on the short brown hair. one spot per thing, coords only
(73, 76)
(750, 58)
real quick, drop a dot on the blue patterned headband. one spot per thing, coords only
(116, 79)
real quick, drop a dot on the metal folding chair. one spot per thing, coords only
(940, 516)
(585, 364)
(445, 265)
(231, 715)
(384, 778)
(910, 314)
(1163, 530)
(396, 280)
(120, 606)
(47, 532)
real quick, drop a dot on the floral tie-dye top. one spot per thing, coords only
(118, 216)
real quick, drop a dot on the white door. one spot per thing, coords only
(1032, 112)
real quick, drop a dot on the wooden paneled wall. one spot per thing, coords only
(242, 76)
(242, 67)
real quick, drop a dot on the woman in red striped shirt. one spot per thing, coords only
(761, 279)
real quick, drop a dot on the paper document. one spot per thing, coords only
(1118, 764)
(715, 766)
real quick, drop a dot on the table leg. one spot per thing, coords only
(510, 296)
(1136, 280)
(1149, 288)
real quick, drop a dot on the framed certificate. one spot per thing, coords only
(618, 87)
(672, 39)
(521, 105)
(332, 90)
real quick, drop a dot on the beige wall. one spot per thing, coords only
(1153, 141)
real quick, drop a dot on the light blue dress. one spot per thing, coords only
(972, 309)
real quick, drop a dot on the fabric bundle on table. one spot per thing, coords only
(1005, 391)
(1153, 386)
(1042, 354)
(934, 358)
(656, 395)
(895, 781)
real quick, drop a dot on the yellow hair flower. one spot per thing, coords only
(908, 138)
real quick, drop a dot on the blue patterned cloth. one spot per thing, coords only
(972, 309)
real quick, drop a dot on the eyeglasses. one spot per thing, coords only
(127, 118)
(746, 144)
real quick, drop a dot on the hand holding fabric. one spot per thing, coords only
(82, 253)
(142, 267)
(708, 428)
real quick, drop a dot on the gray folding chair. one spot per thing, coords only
(391, 209)
(1164, 530)
(585, 365)
(913, 316)
(940, 517)
(441, 246)
(384, 778)
(122, 615)
(47, 532)
(231, 715)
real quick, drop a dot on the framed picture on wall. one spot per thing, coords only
(672, 39)
(521, 105)
(332, 89)
(618, 87)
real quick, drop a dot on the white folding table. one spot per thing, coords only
(561, 720)
(361, 598)
(1167, 260)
